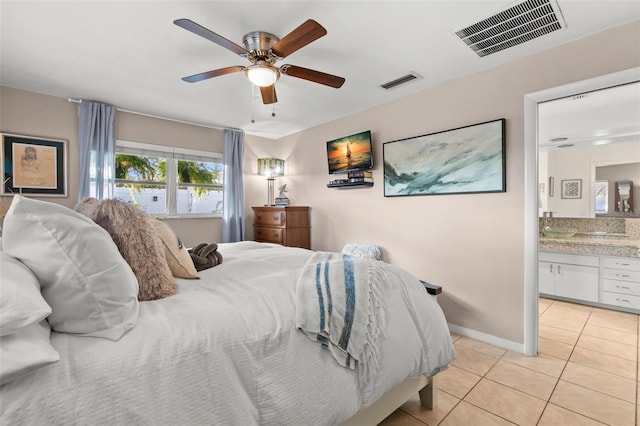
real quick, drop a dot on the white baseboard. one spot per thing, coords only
(487, 338)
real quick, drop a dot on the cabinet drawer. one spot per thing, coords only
(622, 287)
(274, 218)
(269, 235)
(624, 300)
(570, 259)
(621, 263)
(618, 274)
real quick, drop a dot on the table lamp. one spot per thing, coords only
(271, 168)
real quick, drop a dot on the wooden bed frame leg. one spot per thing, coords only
(429, 394)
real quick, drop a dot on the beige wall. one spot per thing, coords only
(471, 244)
(32, 114)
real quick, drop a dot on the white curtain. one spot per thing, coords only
(97, 150)
(233, 201)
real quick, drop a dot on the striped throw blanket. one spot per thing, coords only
(340, 305)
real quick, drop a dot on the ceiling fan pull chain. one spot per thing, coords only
(273, 105)
(251, 103)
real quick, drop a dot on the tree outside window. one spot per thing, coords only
(169, 186)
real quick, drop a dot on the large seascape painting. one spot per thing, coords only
(464, 160)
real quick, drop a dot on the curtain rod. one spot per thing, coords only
(79, 101)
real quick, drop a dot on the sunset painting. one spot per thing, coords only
(350, 153)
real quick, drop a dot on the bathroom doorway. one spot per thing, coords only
(532, 199)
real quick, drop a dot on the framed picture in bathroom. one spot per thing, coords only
(571, 188)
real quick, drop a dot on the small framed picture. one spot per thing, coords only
(571, 188)
(33, 166)
(552, 184)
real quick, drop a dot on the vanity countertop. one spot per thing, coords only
(589, 244)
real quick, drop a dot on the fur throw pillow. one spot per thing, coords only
(138, 242)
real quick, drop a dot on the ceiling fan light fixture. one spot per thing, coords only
(262, 75)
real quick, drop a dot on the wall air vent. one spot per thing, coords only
(398, 81)
(524, 21)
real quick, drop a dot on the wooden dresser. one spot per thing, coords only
(288, 225)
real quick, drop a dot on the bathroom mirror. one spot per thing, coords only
(590, 137)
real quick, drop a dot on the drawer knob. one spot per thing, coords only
(259, 217)
(622, 275)
(275, 234)
(623, 287)
(276, 217)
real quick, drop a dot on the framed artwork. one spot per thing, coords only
(552, 183)
(33, 166)
(571, 188)
(465, 160)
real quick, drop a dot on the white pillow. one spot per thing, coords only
(25, 351)
(21, 303)
(91, 289)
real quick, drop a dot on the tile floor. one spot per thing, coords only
(586, 373)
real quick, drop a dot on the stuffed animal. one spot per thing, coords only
(205, 256)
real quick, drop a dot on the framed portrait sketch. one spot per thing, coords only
(571, 188)
(33, 166)
(465, 160)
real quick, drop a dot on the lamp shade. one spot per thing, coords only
(270, 167)
(262, 75)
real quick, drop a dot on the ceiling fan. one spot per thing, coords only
(263, 50)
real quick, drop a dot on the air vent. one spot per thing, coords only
(398, 81)
(515, 25)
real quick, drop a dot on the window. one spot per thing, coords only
(602, 196)
(169, 181)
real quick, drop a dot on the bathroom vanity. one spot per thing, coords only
(594, 267)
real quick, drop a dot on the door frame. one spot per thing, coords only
(531, 101)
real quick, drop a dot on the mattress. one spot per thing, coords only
(225, 350)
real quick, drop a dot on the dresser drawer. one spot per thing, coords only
(273, 218)
(269, 235)
(621, 263)
(622, 287)
(618, 274)
(623, 300)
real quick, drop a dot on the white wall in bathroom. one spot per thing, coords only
(580, 163)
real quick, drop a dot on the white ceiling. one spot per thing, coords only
(130, 54)
(600, 117)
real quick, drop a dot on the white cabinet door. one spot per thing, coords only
(546, 278)
(577, 282)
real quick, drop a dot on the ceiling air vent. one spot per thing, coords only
(517, 24)
(398, 81)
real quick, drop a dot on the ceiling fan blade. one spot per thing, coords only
(307, 32)
(198, 29)
(213, 73)
(269, 94)
(313, 75)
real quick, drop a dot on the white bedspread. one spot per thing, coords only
(225, 351)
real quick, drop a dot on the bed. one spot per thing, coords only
(227, 349)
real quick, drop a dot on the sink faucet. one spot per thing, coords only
(547, 216)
